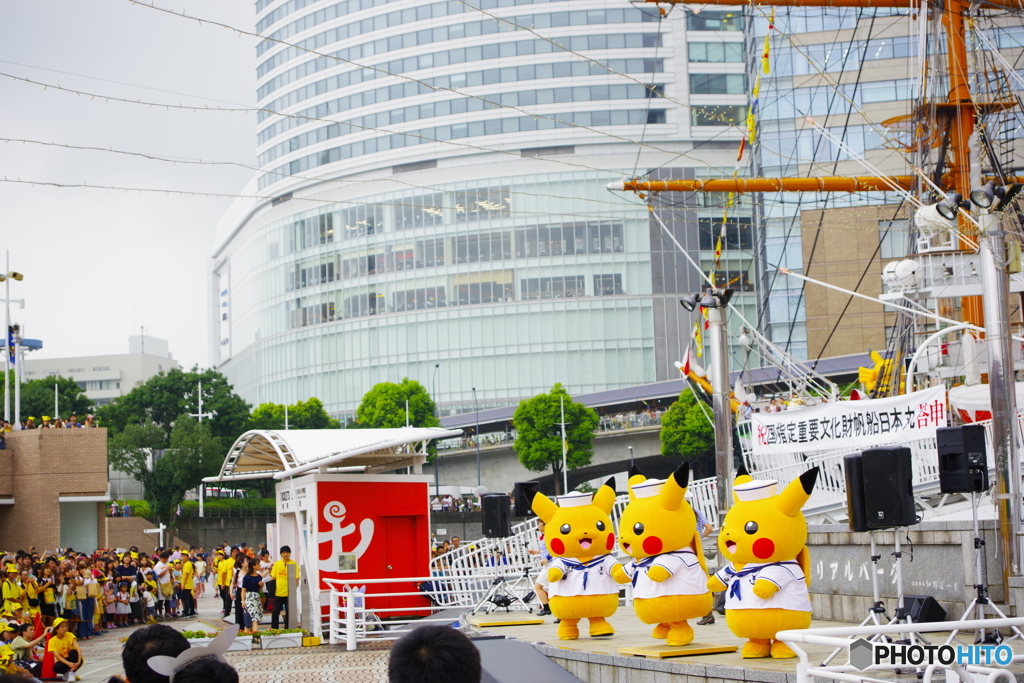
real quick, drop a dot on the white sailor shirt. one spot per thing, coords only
(590, 578)
(687, 576)
(787, 575)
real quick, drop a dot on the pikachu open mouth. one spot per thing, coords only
(585, 543)
(730, 546)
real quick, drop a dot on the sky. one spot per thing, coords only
(99, 264)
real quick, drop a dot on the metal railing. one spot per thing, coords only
(355, 616)
(842, 637)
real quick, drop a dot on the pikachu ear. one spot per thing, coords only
(605, 496)
(635, 477)
(742, 477)
(671, 496)
(796, 494)
(543, 506)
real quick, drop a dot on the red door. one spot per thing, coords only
(400, 559)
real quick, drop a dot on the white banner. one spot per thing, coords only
(855, 425)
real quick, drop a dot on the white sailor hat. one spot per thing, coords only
(575, 499)
(756, 489)
(648, 489)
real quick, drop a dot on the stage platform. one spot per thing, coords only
(598, 660)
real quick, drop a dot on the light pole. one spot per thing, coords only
(6, 278)
(477, 408)
(715, 301)
(437, 414)
(630, 456)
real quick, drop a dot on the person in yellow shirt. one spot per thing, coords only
(188, 587)
(279, 573)
(66, 654)
(12, 592)
(225, 566)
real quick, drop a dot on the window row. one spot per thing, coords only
(718, 114)
(489, 288)
(725, 20)
(824, 99)
(536, 241)
(718, 84)
(445, 33)
(842, 56)
(462, 106)
(470, 54)
(341, 9)
(467, 130)
(739, 233)
(715, 52)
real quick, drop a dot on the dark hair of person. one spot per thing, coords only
(207, 670)
(21, 628)
(434, 654)
(286, 549)
(158, 639)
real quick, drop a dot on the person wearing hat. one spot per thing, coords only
(46, 423)
(12, 592)
(64, 647)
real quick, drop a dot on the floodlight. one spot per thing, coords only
(709, 300)
(689, 302)
(930, 221)
(949, 207)
(984, 196)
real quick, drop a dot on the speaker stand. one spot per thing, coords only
(501, 586)
(877, 605)
(981, 599)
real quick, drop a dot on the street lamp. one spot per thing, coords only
(630, 456)
(477, 407)
(6, 278)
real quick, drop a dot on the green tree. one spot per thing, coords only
(539, 436)
(301, 415)
(37, 398)
(165, 396)
(383, 406)
(166, 467)
(685, 429)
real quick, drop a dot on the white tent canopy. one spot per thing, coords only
(261, 453)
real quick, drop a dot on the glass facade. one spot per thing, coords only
(502, 262)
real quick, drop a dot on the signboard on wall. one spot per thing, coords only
(853, 425)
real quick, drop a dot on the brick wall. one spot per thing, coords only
(45, 465)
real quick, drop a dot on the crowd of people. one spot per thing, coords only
(46, 422)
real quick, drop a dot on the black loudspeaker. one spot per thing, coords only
(963, 459)
(923, 608)
(497, 518)
(888, 488)
(854, 466)
(524, 497)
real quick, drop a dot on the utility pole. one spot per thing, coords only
(199, 416)
(720, 407)
(565, 448)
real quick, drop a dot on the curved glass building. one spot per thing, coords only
(433, 203)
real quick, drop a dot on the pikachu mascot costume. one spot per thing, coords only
(764, 539)
(658, 530)
(579, 536)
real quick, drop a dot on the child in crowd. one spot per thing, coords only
(122, 610)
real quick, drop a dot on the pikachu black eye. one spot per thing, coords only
(565, 528)
(638, 529)
(750, 527)
(600, 525)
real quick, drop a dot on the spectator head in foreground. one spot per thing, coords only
(434, 654)
(158, 639)
(207, 671)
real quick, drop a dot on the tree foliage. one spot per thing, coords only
(165, 396)
(383, 406)
(685, 429)
(308, 414)
(539, 436)
(166, 467)
(37, 398)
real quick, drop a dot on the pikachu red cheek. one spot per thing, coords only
(557, 546)
(610, 543)
(763, 548)
(653, 545)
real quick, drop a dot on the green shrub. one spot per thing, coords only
(234, 503)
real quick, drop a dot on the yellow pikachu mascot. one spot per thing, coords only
(658, 530)
(579, 536)
(764, 538)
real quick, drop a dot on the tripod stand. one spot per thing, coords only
(981, 599)
(503, 595)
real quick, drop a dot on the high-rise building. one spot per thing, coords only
(433, 200)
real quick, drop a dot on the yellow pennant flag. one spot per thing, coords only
(698, 339)
(718, 248)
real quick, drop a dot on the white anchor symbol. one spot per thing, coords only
(334, 513)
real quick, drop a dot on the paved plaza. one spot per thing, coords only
(324, 664)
